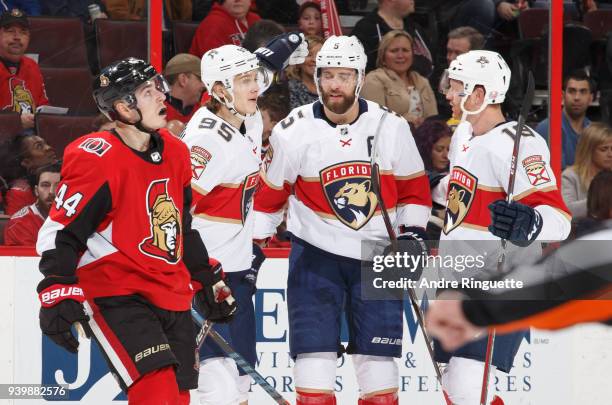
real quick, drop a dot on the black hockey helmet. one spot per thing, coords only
(119, 81)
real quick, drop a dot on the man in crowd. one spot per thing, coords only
(578, 94)
(186, 87)
(22, 228)
(226, 24)
(21, 83)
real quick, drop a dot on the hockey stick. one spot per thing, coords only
(510, 195)
(375, 181)
(240, 361)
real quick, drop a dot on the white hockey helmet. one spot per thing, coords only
(484, 68)
(341, 51)
(224, 63)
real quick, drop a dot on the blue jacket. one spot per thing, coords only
(569, 138)
(29, 7)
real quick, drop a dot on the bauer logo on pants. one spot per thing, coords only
(348, 189)
(461, 191)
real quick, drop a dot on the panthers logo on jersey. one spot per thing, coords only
(250, 185)
(165, 240)
(461, 191)
(348, 189)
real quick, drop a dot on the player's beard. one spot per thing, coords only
(339, 107)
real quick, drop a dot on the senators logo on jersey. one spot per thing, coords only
(165, 240)
(535, 167)
(348, 189)
(461, 191)
(250, 186)
(22, 100)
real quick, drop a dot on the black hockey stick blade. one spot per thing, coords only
(240, 361)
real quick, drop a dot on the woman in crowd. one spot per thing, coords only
(395, 84)
(593, 154)
(433, 141)
(302, 89)
(309, 19)
(20, 157)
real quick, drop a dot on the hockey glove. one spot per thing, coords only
(516, 222)
(411, 243)
(285, 49)
(61, 307)
(214, 298)
(258, 258)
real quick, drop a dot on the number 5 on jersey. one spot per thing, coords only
(70, 204)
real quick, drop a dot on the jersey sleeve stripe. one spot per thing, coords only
(413, 190)
(270, 199)
(221, 202)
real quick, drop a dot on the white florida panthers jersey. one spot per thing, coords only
(479, 172)
(324, 172)
(225, 171)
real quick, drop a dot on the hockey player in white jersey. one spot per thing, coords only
(224, 140)
(319, 161)
(476, 207)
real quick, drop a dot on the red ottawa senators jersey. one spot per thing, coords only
(22, 229)
(119, 219)
(22, 90)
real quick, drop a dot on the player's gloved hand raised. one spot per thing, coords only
(516, 222)
(257, 259)
(214, 298)
(61, 307)
(411, 242)
(283, 50)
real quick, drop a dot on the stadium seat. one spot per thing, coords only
(532, 22)
(182, 34)
(599, 22)
(10, 124)
(60, 130)
(59, 42)
(79, 80)
(119, 39)
(3, 222)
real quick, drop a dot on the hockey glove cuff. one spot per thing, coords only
(214, 298)
(516, 222)
(61, 307)
(285, 49)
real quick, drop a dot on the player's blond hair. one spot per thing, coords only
(592, 137)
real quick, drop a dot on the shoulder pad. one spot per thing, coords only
(21, 213)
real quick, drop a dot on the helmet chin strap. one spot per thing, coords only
(138, 124)
(230, 105)
(465, 113)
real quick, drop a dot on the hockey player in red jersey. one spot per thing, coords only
(319, 161)
(118, 252)
(224, 140)
(476, 189)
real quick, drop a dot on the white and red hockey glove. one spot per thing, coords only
(61, 307)
(213, 298)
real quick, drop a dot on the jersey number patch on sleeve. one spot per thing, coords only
(70, 203)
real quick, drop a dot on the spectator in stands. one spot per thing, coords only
(260, 33)
(21, 156)
(274, 108)
(302, 89)
(392, 15)
(227, 23)
(28, 7)
(578, 94)
(21, 83)
(395, 84)
(433, 141)
(309, 20)
(183, 74)
(462, 40)
(593, 154)
(73, 8)
(598, 203)
(22, 228)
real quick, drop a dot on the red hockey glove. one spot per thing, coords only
(214, 299)
(61, 307)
